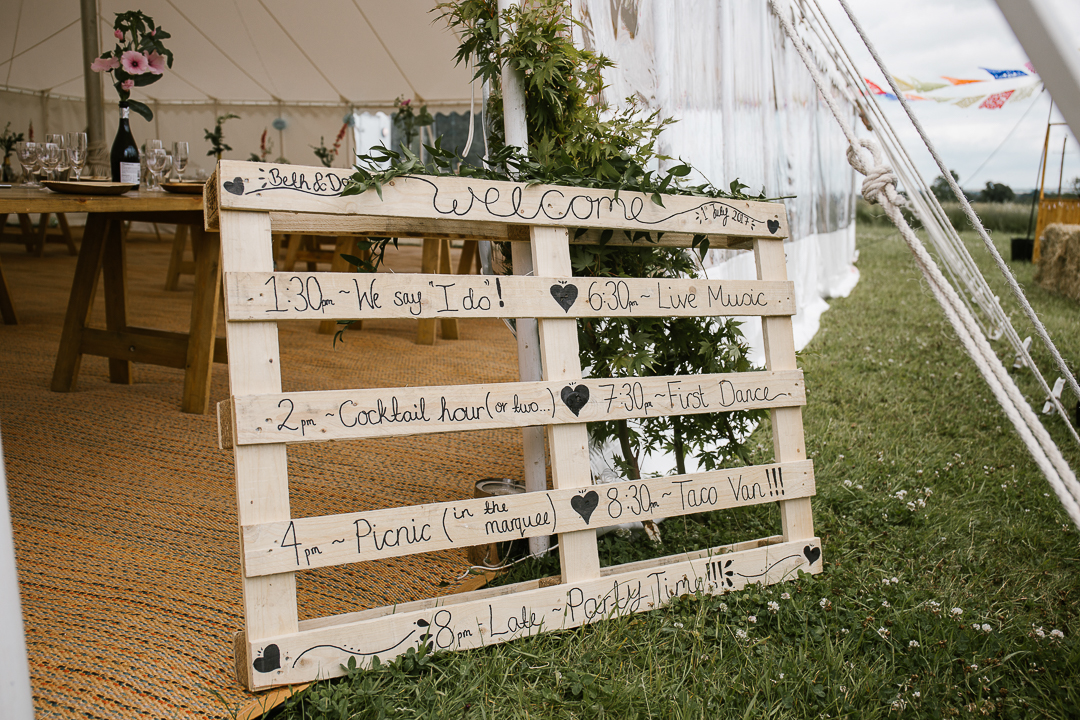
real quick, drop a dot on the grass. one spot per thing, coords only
(1012, 217)
(952, 575)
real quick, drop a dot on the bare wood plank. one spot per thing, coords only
(789, 444)
(320, 653)
(335, 296)
(305, 543)
(176, 257)
(262, 486)
(468, 230)
(293, 188)
(568, 444)
(382, 412)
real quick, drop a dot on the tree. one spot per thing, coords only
(941, 189)
(997, 193)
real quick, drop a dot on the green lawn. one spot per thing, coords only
(951, 581)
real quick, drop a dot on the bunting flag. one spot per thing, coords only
(927, 86)
(1022, 93)
(995, 101)
(959, 81)
(1030, 67)
(1003, 74)
(969, 101)
(874, 88)
(913, 96)
(902, 84)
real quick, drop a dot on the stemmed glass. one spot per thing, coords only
(50, 158)
(155, 163)
(60, 140)
(180, 158)
(76, 151)
(28, 157)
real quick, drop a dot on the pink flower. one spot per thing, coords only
(157, 63)
(127, 84)
(153, 32)
(118, 33)
(134, 62)
(104, 64)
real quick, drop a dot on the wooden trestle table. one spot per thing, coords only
(102, 253)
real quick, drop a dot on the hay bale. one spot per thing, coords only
(1059, 260)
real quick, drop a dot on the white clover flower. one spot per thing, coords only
(911, 506)
(841, 457)
(781, 676)
(885, 581)
(751, 619)
(956, 612)
(1057, 634)
(740, 634)
(913, 644)
(785, 596)
(843, 689)
(678, 624)
(844, 631)
(723, 607)
(921, 503)
(884, 633)
(885, 603)
(974, 667)
(985, 679)
(901, 494)
(823, 602)
(916, 694)
(934, 603)
(895, 581)
(1004, 486)
(774, 607)
(1039, 631)
(927, 491)
(848, 483)
(986, 628)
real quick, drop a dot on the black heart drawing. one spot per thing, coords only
(270, 660)
(774, 225)
(575, 398)
(235, 186)
(812, 554)
(565, 295)
(585, 504)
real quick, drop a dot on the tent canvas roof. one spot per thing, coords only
(360, 52)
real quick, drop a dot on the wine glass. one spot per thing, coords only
(180, 158)
(155, 163)
(50, 159)
(76, 151)
(27, 153)
(62, 162)
(166, 171)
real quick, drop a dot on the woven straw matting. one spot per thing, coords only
(124, 507)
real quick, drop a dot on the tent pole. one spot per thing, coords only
(95, 110)
(1050, 50)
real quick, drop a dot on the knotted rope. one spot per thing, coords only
(879, 187)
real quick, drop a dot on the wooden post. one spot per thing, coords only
(789, 444)
(262, 486)
(83, 288)
(429, 265)
(202, 335)
(569, 443)
(114, 272)
(345, 245)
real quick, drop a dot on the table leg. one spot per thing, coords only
(172, 275)
(43, 229)
(114, 265)
(346, 245)
(429, 265)
(204, 317)
(27, 231)
(83, 287)
(449, 325)
(7, 307)
(470, 255)
(65, 230)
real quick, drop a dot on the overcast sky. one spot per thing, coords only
(927, 39)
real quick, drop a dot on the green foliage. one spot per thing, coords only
(217, 137)
(940, 187)
(571, 143)
(410, 120)
(997, 193)
(8, 139)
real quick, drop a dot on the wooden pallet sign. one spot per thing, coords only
(247, 201)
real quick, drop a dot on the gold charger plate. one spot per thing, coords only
(188, 188)
(82, 187)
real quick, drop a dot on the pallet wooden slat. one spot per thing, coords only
(339, 296)
(314, 542)
(266, 187)
(247, 200)
(319, 416)
(457, 626)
